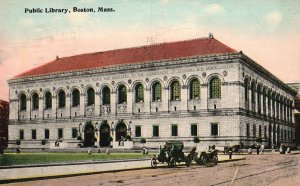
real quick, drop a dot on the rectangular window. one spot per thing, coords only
(60, 133)
(259, 131)
(33, 134)
(194, 130)
(21, 134)
(74, 132)
(174, 130)
(254, 130)
(137, 131)
(265, 132)
(46, 133)
(248, 130)
(214, 129)
(155, 131)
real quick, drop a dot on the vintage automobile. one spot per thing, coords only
(234, 149)
(172, 153)
(205, 157)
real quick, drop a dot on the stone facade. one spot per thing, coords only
(4, 118)
(220, 112)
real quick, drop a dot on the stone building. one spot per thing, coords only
(4, 115)
(296, 86)
(168, 91)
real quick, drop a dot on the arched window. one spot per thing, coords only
(253, 92)
(61, 99)
(246, 89)
(23, 102)
(215, 88)
(48, 100)
(156, 91)
(106, 96)
(269, 101)
(264, 100)
(259, 98)
(139, 93)
(175, 91)
(122, 94)
(75, 98)
(195, 89)
(90, 97)
(35, 101)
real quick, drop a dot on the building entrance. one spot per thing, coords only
(89, 135)
(121, 131)
(104, 135)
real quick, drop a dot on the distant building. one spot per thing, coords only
(296, 86)
(168, 91)
(4, 118)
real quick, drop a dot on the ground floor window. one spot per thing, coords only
(33, 134)
(21, 134)
(265, 132)
(46, 133)
(74, 132)
(259, 131)
(214, 129)
(60, 133)
(137, 131)
(254, 130)
(155, 131)
(174, 130)
(194, 130)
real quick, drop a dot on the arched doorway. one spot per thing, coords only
(121, 131)
(89, 135)
(104, 135)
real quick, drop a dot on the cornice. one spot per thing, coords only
(192, 60)
(265, 73)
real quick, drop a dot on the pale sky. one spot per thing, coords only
(266, 31)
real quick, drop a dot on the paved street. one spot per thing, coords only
(268, 169)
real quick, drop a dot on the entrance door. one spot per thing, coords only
(89, 135)
(104, 135)
(121, 131)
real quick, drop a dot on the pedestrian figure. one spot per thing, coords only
(18, 150)
(107, 151)
(262, 148)
(273, 150)
(257, 149)
(89, 151)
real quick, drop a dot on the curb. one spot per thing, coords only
(90, 173)
(71, 163)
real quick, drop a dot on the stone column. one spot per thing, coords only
(147, 100)
(129, 101)
(113, 103)
(28, 108)
(54, 107)
(82, 105)
(97, 104)
(68, 105)
(41, 108)
(204, 96)
(184, 98)
(165, 102)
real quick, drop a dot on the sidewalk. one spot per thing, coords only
(26, 173)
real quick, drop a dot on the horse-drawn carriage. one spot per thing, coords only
(172, 153)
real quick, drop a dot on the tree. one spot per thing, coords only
(143, 140)
(18, 142)
(196, 140)
(259, 140)
(127, 137)
(43, 142)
